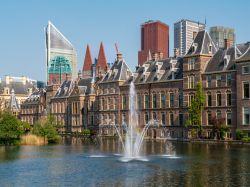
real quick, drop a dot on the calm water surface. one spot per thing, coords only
(74, 163)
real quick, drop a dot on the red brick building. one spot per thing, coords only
(154, 39)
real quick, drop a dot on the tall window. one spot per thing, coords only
(171, 117)
(209, 99)
(218, 97)
(180, 119)
(229, 79)
(190, 99)
(146, 118)
(218, 80)
(191, 63)
(163, 100)
(180, 99)
(154, 101)
(229, 99)
(218, 114)
(191, 82)
(229, 118)
(209, 81)
(171, 99)
(246, 90)
(246, 116)
(139, 102)
(146, 101)
(154, 116)
(209, 118)
(124, 102)
(163, 118)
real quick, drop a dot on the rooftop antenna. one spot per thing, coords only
(205, 21)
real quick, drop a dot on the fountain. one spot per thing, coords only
(134, 135)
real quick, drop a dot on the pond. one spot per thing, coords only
(78, 163)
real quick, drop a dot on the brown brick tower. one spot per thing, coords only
(154, 39)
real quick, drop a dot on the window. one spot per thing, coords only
(146, 118)
(154, 116)
(210, 48)
(245, 116)
(229, 79)
(171, 118)
(124, 102)
(218, 114)
(180, 99)
(181, 119)
(163, 100)
(191, 63)
(209, 118)
(218, 97)
(209, 81)
(229, 99)
(229, 118)
(191, 82)
(209, 99)
(154, 101)
(245, 69)
(246, 90)
(171, 99)
(146, 101)
(190, 99)
(138, 102)
(163, 118)
(218, 80)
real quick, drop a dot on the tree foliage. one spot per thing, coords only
(196, 107)
(47, 129)
(11, 128)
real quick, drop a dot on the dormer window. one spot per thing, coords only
(226, 60)
(210, 48)
(191, 63)
(193, 47)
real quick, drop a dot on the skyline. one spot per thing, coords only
(93, 22)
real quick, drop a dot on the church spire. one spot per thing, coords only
(101, 66)
(87, 65)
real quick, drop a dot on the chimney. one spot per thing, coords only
(155, 57)
(226, 43)
(119, 57)
(176, 52)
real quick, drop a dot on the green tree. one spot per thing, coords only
(11, 128)
(196, 107)
(47, 129)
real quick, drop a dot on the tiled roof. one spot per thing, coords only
(87, 60)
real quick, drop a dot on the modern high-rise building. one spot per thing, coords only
(61, 58)
(222, 37)
(184, 33)
(154, 39)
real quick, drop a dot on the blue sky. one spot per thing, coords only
(22, 47)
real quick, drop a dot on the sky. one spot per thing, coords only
(22, 37)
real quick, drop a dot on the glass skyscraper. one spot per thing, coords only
(61, 56)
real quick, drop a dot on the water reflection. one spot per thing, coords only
(84, 163)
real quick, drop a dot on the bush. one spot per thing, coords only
(86, 132)
(11, 128)
(239, 134)
(47, 129)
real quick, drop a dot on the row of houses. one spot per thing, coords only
(164, 89)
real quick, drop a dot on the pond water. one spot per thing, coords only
(77, 163)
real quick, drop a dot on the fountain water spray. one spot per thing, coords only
(134, 135)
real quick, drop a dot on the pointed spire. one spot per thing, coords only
(101, 65)
(87, 61)
(13, 105)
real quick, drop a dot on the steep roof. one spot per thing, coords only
(158, 71)
(201, 44)
(35, 96)
(87, 60)
(101, 61)
(224, 59)
(65, 89)
(118, 71)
